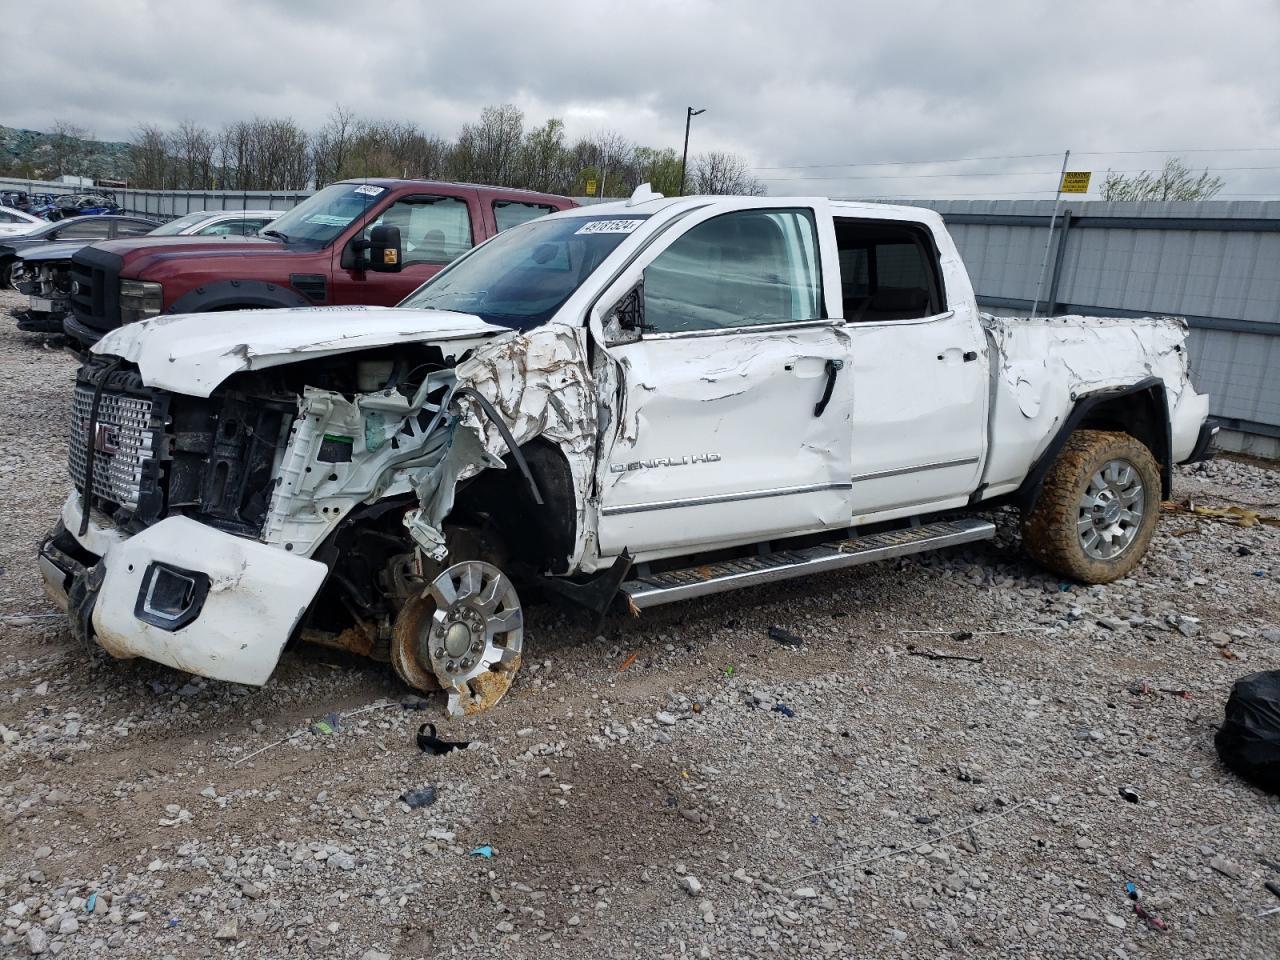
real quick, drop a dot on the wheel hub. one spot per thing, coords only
(1111, 509)
(475, 636)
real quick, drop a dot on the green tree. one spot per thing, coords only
(1176, 181)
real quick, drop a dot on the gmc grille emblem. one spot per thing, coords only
(105, 439)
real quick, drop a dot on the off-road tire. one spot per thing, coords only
(1049, 530)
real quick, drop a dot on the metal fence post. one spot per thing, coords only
(1058, 257)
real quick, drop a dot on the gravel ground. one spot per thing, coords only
(681, 785)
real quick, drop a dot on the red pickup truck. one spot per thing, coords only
(354, 242)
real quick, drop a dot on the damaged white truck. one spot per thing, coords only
(631, 403)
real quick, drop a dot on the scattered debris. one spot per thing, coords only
(933, 655)
(1151, 920)
(961, 635)
(422, 797)
(1273, 887)
(1131, 795)
(336, 718)
(485, 851)
(428, 742)
(330, 723)
(1237, 516)
(786, 638)
(1249, 740)
(783, 709)
(1131, 891)
(628, 662)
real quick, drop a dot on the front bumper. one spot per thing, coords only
(179, 593)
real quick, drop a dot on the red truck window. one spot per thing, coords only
(512, 213)
(432, 229)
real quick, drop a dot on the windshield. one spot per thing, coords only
(522, 276)
(175, 227)
(324, 215)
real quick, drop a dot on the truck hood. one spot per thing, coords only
(144, 253)
(57, 250)
(193, 353)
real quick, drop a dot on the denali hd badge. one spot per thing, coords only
(664, 462)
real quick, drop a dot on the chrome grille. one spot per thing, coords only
(124, 441)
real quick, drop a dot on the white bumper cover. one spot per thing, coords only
(256, 596)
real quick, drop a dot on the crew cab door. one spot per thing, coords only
(919, 371)
(435, 229)
(732, 416)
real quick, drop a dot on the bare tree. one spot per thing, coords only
(192, 148)
(67, 148)
(544, 163)
(331, 147)
(1176, 181)
(717, 172)
(489, 151)
(149, 158)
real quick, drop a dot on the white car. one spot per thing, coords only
(640, 402)
(15, 223)
(217, 223)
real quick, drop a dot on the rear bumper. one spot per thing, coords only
(179, 593)
(1204, 448)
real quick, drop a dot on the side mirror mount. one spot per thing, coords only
(625, 321)
(381, 252)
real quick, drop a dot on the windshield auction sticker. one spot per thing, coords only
(610, 226)
(368, 189)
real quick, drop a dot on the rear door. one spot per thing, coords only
(919, 368)
(435, 229)
(721, 434)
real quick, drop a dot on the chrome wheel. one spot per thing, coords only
(1111, 510)
(475, 635)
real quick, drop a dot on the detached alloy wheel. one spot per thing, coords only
(1098, 508)
(464, 634)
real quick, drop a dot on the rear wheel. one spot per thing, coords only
(1098, 508)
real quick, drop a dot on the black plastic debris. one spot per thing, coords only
(428, 742)
(785, 637)
(783, 709)
(1249, 740)
(422, 797)
(1129, 794)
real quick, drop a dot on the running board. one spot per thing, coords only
(725, 575)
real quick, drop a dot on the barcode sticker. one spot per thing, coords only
(610, 226)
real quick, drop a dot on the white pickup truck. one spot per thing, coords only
(632, 403)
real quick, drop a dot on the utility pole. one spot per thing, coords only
(689, 114)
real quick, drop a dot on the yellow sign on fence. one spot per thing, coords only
(591, 188)
(1076, 181)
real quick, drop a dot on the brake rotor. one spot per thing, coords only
(464, 634)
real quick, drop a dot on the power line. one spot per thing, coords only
(1016, 156)
(997, 173)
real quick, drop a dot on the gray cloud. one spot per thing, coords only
(800, 83)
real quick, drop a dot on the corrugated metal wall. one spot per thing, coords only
(1216, 262)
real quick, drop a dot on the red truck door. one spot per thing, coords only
(436, 227)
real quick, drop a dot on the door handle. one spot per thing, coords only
(833, 368)
(970, 356)
(950, 354)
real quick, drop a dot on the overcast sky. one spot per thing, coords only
(785, 84)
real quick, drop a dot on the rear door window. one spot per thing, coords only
(85, 230)
(134, 229)
(512, 213)
(888, 271)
